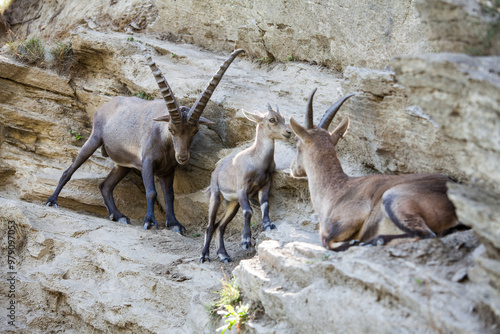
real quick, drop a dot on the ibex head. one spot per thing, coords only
(309, 135)
(183, 122)
(272, 123)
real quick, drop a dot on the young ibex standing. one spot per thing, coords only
(372, 209)
(238, 178)
(133, 133)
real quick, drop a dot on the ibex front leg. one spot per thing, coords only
(149, 183)
(246, 239)
(167, 186)
(264, 206)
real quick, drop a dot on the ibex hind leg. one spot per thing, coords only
(107, 187)
(212, 226)
(87, 150)
(231, 210)
(402, 212)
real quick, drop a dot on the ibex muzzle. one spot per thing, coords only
(151, 136)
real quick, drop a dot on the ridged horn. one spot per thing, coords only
(308, 123)
(332, 111)
(166, 91)
(201, 103)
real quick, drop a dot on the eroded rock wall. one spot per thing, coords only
(424, 113)
(332, 33)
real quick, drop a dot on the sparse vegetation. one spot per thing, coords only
(234, 316)
(29, 51)
(63, 56)
(492, 8)
(143, 95)
(290, 58)
(76, 134)
(132, 39)
(229, 306)
(268, 60)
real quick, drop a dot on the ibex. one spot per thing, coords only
(238, 178)
(373, 209)
(149, 136)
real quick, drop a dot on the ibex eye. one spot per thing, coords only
(171, 131)
(272, 120)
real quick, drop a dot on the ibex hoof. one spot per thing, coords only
(51, 204)
(270, 227)
(147, 225)
(224, 258)
(178, 228)
(204, 258)
(124, 220)
(246, 244)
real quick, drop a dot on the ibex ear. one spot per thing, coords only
(255, 117)
(164, 118)
(205, 121)
(340, 131)
(299, 130)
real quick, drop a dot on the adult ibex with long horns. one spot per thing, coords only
(149, 136)
(373, 209)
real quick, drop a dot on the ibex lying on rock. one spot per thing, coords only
(372, 209)
(238, 178)
(149, 136)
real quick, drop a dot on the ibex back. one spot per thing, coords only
(372, 209)
(150, 136)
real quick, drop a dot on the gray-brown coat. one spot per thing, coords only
(237, 178)
(151, 136)
(372, 209)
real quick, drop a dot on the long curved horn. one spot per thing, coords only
(201, 103)
(332, 111)
(166, 91)
(308, 123)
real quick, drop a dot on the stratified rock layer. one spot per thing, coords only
(325, 32)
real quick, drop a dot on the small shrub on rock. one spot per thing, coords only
(63, 57)
(29, 51)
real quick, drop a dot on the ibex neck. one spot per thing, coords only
(324, 174)
(263, 145)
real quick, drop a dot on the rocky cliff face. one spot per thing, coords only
(436, 112)
(336, 34)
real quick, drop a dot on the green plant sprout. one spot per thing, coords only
(77, 135)
(290, 58)
(234, 316)
(143, 95)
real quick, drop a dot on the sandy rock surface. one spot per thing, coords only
(438, 112)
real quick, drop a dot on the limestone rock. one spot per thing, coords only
(466, 26)
(388, 132)
(82, 273)
(327, 33)
(408, 284)
(461, 94)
